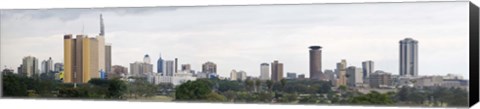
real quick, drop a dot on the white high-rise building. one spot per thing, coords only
(240, 75)
(233, 75)
(29, 66)
(408, 57)
(355, 76)
(264, 71)
(50, 64)
(43, 67)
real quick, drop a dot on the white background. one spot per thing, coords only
(79, 104)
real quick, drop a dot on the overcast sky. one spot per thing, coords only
(243, 37)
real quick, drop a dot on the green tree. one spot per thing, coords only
(193, 90)
(374, 98)
(269, 85)
(116, 89)
(14, 85)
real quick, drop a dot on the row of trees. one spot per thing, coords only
(433, 96)
(215, 90)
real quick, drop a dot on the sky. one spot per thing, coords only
(243, 37)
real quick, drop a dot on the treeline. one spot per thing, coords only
(433, 96)
(21, 86)
(215, 90)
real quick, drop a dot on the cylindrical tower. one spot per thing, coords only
(315, 62)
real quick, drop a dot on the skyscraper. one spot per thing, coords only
(277, 71)
(368, 68)
(240, 75)
(341, 73)
(30, 66)
(84, 57)
(146, 59)
(160, 64)
(46, 66)
(108, 58)
(315, 62)
(43, 67)
(49, 65)
(355, 76)
(408, 57)
(141, 68)
(264, 71)
(186, 67)
(169, 68)
(209, 67)
(176, 65)
(233, 75)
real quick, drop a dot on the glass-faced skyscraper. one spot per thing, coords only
(160, 64)
(408, 57)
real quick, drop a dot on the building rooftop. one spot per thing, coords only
(315, 47)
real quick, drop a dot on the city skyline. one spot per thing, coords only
(232, 43)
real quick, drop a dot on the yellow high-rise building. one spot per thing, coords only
(82, 59)
(68, 62)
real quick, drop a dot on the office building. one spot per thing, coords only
(118, 71)
(209, 67)
(341, 72)
(81, 59)
(176, 79)
(277, 71)
(264, 71)
(43, 67)
(186, 67)
(233, 75)
(169, 68)
(301, 76)
(329, 75)
(29, 67)
(176, 66)
(242, 75)
(368, 68)
(141, 69)
(408, 57)
(238, 76)
(160, 64)
(291, 75)
(108, 58)
(380, 79)
(58, 67)
(355, 76)
(315, 62)
(84, 57)
(47, 65)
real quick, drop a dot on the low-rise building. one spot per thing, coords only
(177, 79)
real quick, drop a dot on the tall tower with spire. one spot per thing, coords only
(102, 27)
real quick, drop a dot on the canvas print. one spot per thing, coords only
(413, 54)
